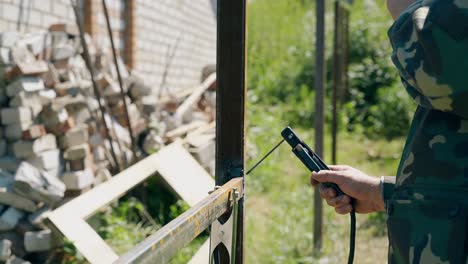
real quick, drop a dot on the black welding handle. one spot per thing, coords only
(308, 157)
(312, 165)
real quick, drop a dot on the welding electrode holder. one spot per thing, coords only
(308, 157)
(313, 162)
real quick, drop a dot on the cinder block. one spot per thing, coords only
(37, 185)
(78, 180)
(15, 115)
(9, 163)
(3, 147)
(40, 241)
(25, 99)
(8, 39)
(14, 132)
(25, 84)
(5, 56)
(26, 149)
(77, 152)
(5, 249)
(34, 132)
(10, 218)
(47, 160)
(75, 136)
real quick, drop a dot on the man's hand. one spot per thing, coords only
(363, 188)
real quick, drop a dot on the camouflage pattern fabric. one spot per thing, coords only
(427, 209)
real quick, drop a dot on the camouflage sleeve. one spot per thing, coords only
(388, 186)
(430, 49)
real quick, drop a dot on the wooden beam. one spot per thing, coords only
(230, 101)
(175, 165)
(319, 112)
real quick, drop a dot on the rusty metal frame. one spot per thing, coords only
(162, 245)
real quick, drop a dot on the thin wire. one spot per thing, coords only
(264, 157)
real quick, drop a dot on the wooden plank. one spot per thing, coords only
(184, 174)
(176, 166)
(89, 203)
(230, 101)
(85, 239)
(196, 94)
(184, 129)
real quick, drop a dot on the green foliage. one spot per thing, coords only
(125, 225)
(391, 116)
(281, 55)
(376, 102)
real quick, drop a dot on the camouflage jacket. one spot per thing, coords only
(427, 206)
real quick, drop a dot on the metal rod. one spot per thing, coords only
(264, 157)
(87, 60)
(319, 112)
(337, 75)
(119, 77)
(162, 245)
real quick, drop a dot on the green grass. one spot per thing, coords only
(280, 199)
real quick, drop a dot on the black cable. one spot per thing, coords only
(352, 235)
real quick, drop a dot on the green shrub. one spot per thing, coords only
(376, 102)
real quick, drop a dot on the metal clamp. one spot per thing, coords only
(225, 234)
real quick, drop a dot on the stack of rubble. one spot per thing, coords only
(53, 145)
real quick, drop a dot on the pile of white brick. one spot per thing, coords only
(52, 142)
(53, 145)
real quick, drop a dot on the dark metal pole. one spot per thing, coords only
(338, 68)
(319, 112)
(117, 68)
(230, 101)
(95, 88)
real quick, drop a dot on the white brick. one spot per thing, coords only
(25, 149)
(25, 84)
(78, 180)
(40, 241)
(14, 115)
(10, 218)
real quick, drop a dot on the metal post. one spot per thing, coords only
(319, 114)
(337, 74)
(230, 102)
(119, 77)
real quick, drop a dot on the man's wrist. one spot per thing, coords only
(377, 198)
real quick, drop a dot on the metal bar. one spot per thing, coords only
(119, 77)
(90, 67)
(338, 71)
(162, 245)
(319, 112)
(230, 101)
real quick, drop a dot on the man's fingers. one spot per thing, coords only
(326, 193)
(339, 201)
(313, 182)
(339, 167)
(345, 209)
(328, 176)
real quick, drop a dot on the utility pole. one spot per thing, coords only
(319, 112)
